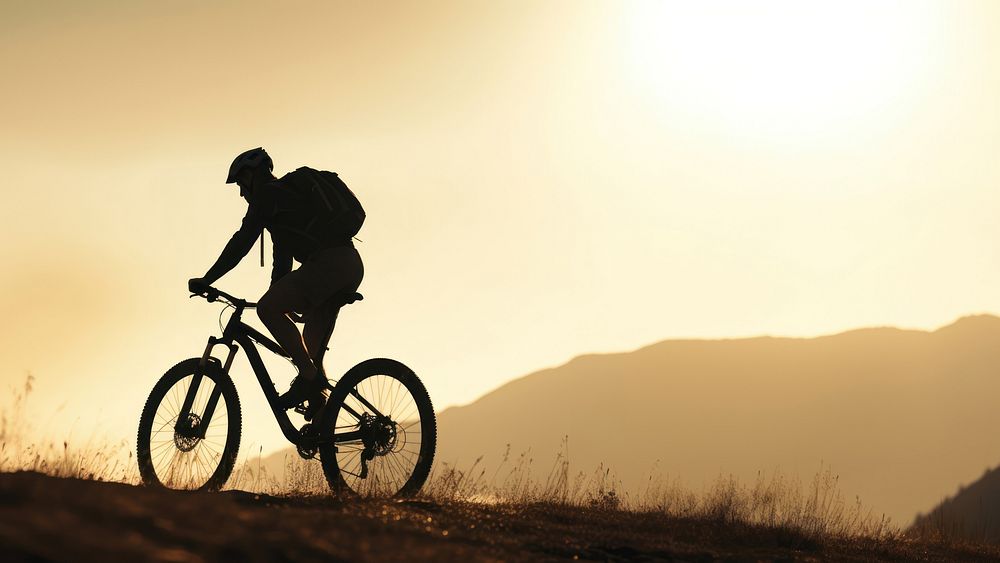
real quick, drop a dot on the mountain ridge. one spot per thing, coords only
(962, 322)
(865, 401)
(971, 513)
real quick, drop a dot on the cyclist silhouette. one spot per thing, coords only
(330, 265)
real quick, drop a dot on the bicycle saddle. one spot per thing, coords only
(348, 298)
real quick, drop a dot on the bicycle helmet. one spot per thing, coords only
(249, 159)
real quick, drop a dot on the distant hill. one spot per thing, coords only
(972, 513)
(899, 415)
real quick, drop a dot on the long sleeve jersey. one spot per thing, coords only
(260, 214)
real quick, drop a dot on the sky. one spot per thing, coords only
(542, 179)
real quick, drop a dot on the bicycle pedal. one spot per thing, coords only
(310, 408)
(313, 410)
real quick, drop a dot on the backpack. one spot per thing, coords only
(319, 207)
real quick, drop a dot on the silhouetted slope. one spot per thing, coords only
(900, 415)
(49, 519)
(973, 513)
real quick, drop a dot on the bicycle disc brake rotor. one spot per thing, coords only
(187, 440)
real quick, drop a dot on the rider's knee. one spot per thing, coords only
(267, 308)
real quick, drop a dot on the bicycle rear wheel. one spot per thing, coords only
(385, 412)
(173, 455)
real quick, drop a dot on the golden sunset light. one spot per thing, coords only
(785, 71)
(759, 236)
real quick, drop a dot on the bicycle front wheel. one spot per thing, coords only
(194, 453)
(379, 432)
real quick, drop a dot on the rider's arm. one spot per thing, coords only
(237, 247)
(282, 263)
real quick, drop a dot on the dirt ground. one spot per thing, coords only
(48, 519)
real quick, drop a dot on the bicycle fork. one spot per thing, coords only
(186, 425)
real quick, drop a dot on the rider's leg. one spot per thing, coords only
(340, 269)
(273, 308)
(317, 329)
(313, 283)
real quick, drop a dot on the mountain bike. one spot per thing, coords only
(375, 435)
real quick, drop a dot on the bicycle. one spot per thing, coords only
(375, 435)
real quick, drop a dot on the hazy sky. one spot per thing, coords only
(542, 179)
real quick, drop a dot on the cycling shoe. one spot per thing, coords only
(312, 407)
(303, 390)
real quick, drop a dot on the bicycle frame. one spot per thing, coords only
(238, 334)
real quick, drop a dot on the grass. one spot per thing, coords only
(94, 459)
(773, 501)
(815, 511)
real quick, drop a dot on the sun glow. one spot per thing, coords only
(780, 66)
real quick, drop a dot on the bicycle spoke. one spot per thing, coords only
(393, 463)
(186, 461)
(395, 466)
(396, 398)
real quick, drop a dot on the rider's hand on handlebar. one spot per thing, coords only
(198, 286)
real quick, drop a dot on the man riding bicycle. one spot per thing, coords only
(312, 217)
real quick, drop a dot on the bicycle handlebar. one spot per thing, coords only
(212, 294)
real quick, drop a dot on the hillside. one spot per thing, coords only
(49, 519)
(973, 513)
(902, 416)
